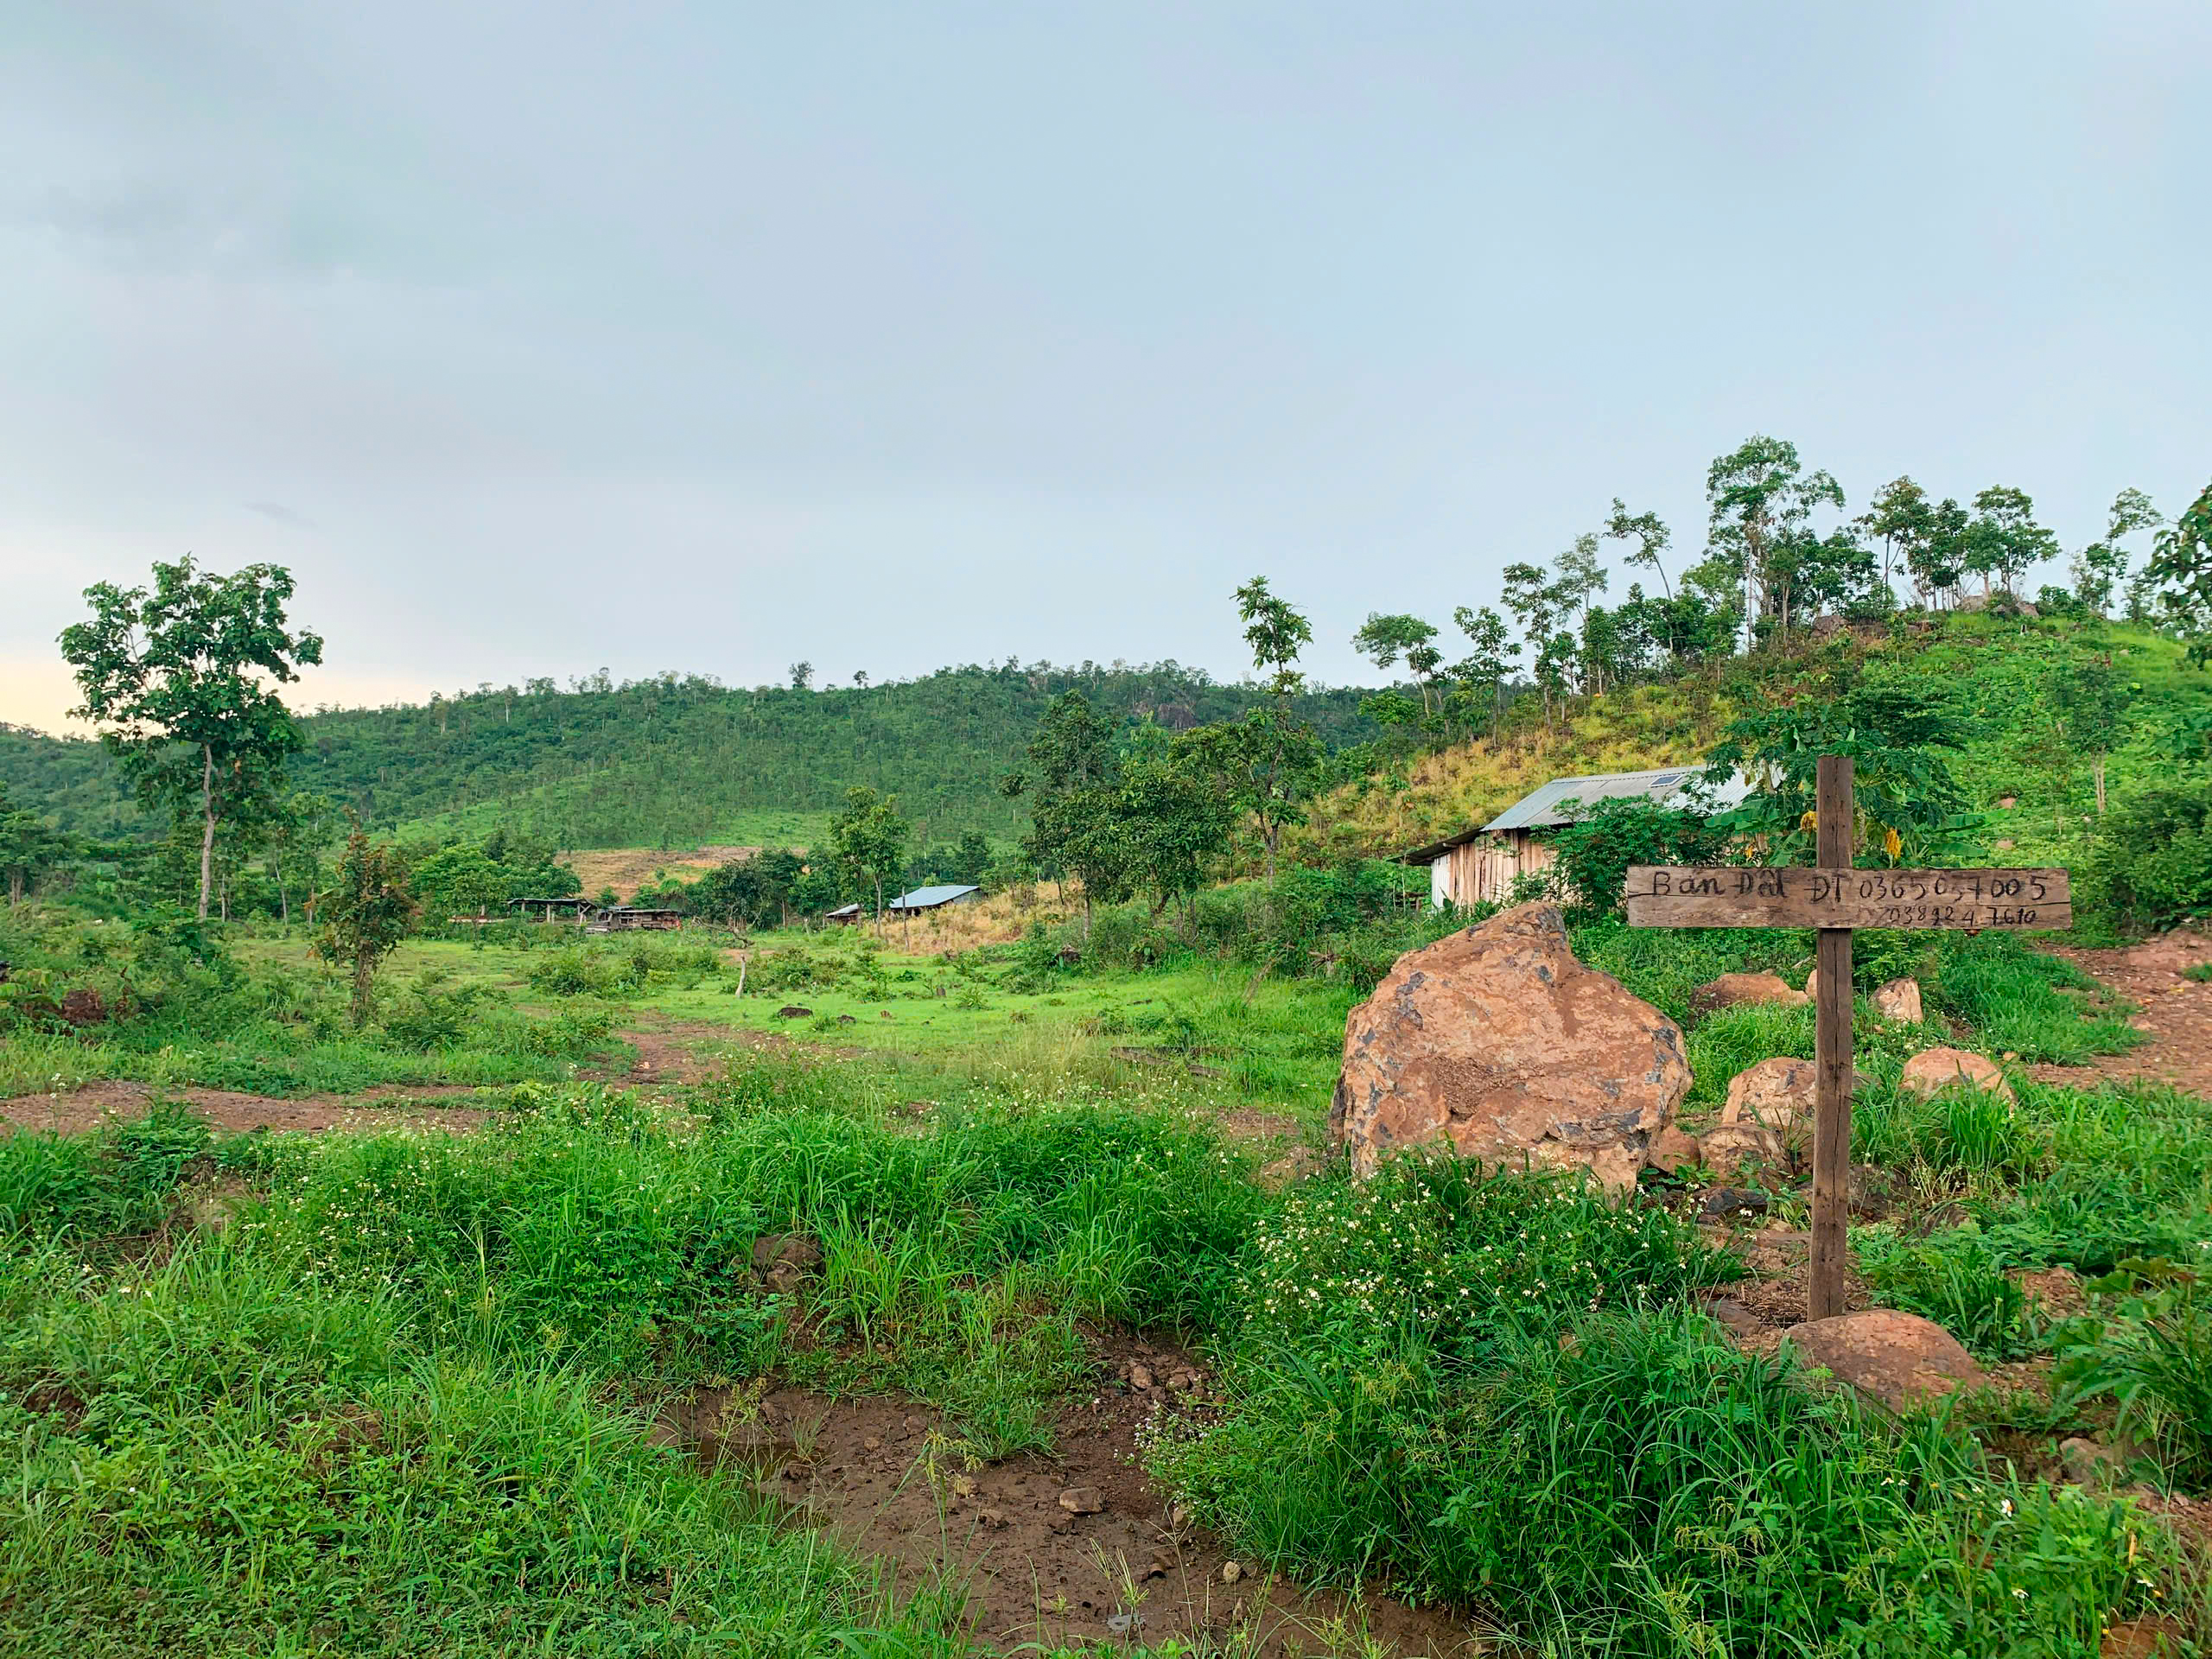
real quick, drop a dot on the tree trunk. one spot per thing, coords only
(207, 830)
(364, 969)
(283, 900)
(15, 886)
(2097, 770)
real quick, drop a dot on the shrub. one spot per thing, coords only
(1956, 1279)
(2152, 866)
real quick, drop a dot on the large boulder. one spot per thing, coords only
(1734, 990)
(1498, 1043)
(1935, 1069)
(1897, 1358)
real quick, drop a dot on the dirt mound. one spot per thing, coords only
(1074, 1549)
(395, 1107)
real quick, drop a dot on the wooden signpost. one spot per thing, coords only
(1834, 898)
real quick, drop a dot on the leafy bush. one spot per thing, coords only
(117, 1179)
(2152, 866)
(1595, 851)
(2150, 1351)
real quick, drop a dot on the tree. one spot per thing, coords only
(2099, 569)
(2180, 573)
(1899, 519)
(1761, 504)
(2091, 700)
(1580, 579)
(1383, 639)
(2004, 539)
(172, 676)
(366, 913)
(868, 838)
(1172, 815)
(1534, 605)
(28, 845)
(1649, 533)
(802, 677)
(1485, 672)
(1277, 756)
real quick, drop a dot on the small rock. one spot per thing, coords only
(990, 1518)
(1895, 1358)
(1733, 990)
(2088, 1463)
(847, 1019)
(1140, 1378)
(1671, 1149)
(1231, 1571)
(1124, 1623)
(1082, 1500)
(1740, 1320)
(1778, 1093)
(873, 1443)
(1183, 1381)
(1178, 1515)
(792, 1011)
(962, 1486)
(1725, 1201)
(1729, 1150)
(1937, 1069)
(915, 1425)
(2003, 846)
(1899, 999)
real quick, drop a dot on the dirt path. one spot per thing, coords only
(393, 1107)
(2177, 1015)
(1113, 1560)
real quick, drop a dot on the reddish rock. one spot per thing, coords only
(1498, 1043)
(1778, 1093)
(1733, 1151)
(1082, 1500)
(1733, 990)
(1900, 999)
(1671, 1148)
(1895, 1358)
(1935, 1069)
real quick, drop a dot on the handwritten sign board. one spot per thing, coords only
(1701, 896)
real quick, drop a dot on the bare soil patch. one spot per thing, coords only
(881, 1476)
(392, 1106)
(2176, 1014)
(627, 868)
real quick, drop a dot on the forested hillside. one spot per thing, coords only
(671, 761)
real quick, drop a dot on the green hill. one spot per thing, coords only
(679, 761)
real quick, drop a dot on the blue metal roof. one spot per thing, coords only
(930, 898)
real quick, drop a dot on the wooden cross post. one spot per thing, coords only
(1833, 805)
(1834, 898)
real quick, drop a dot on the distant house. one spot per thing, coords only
(845, 915)
(1480, 866)
(932, 899)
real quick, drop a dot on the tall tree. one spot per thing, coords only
(2003, 540)
(2099, 569)
(1279, 756)
(1899, 519)
(2180, 573)
(1761, 502)
(1487, 668)
(868, 838)
(1649, 533)
(1071, 782)
(1580, 579)
(1383, 639)
(28, 845)
(174, 678)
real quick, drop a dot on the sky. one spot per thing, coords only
(541, 338)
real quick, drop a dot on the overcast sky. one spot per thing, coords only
(541, 337)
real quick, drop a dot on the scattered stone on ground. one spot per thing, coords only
(2056, 1291)
(2090, 1463)
(1082, 1500)
(1900, 999)
(1733, 990)
(1498, 1043)
(1895, 1358)
(1934, 1069)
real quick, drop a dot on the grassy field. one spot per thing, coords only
(394, 1393)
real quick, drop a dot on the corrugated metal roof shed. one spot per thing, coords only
(1539, 809)
(930, 898)
(1667, 786)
